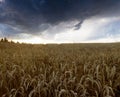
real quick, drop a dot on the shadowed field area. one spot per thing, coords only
(59, 70)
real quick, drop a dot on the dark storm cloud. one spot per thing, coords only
(35, 16)
(77, 26)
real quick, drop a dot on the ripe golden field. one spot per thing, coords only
(60, 70)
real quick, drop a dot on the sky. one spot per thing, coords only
(60, 21)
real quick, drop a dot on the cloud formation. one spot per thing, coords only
(36, 16)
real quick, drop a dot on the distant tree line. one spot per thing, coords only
(5, 40)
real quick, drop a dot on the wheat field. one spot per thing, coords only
(59, 70)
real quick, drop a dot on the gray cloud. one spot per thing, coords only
(78, 26)
(36, 16)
